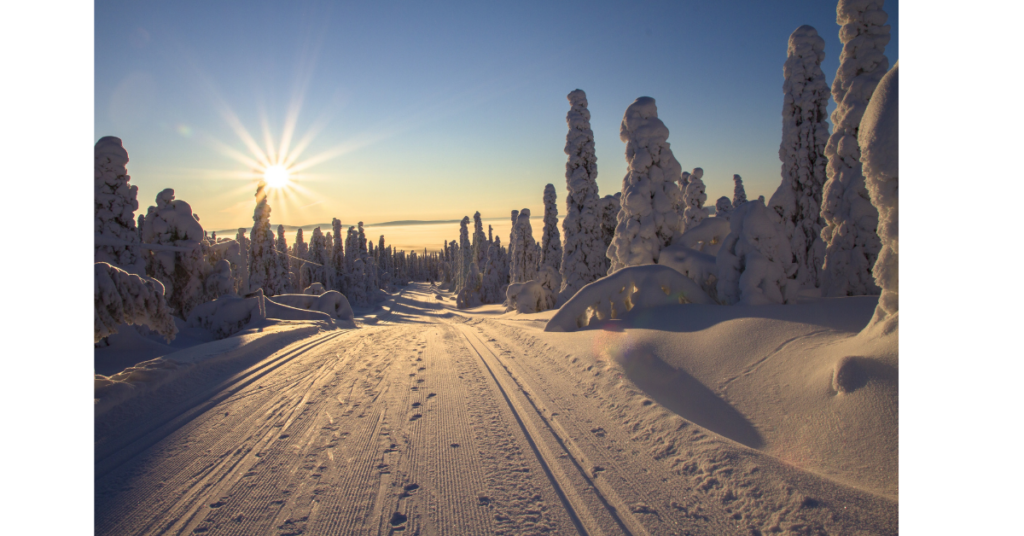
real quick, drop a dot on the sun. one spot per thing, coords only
(277, 176)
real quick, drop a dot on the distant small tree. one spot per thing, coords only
(739, 195)
(693, 199)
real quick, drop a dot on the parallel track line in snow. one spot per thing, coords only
(560, 488)
(197, 405)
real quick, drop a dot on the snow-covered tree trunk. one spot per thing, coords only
(754, 263)
(646, 222)
(116, 202)
(583, 251)
(797, 201)
(693, 200)
(879, 139)
(172, 223)
(739, 194)
(551, 240)
(850, 235)
(124, 298)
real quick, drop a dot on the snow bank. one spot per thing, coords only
(880, 148)
(332, 303)
(228, 315)
(755, 263)
(627, 289)
(123, 298)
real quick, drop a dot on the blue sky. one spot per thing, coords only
(436, 111)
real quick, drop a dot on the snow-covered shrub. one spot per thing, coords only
(646, 222)
(723, 207)
(797, 201)
(635, 287)
(551, 281)
(181, 266)
(584, 247)
(526, 297)
(739, 194)
(117, 238)
(332, 302)
(755, 265)
(693, 200)
(551, 241)
(880, 153)
(228, 315)
(124, 298)
(700, 267)
(316, 289)
(525, 257)
(850, 236)
(706, 237)
(220, 281)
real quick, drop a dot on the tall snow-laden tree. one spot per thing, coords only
(739, 194)
(243, 268)
(263, 263)
(340, 270)
(583, 251)
(124, 298)
(551, 240)
(465, 254)
(646, 222)
(300, 250)
(116, 236)
(525, 259)
(754, 263)
(608, 206)
(317, 272)
(797, 201)
(283, 262)
(879, 138)
(850, 235)
(479, 240)
(693, 200)
(179, 265)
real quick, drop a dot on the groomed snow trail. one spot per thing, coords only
(429, 423)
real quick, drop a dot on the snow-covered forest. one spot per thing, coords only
(657, 362)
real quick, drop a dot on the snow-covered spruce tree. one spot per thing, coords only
(340, 270)
(479, 240)
(219, 282)
(608, 206)
(300, 250)
(551, 240)
(739, 195)
(243, 268)
(182, 266)
(723, 207)
(583, 252)
(879, 138)
(512, 241)
(124, 298)
(316, 273)
(525, 260)
(646, 222)
(797, 201)
(465, 254)
(116, 237)
(693, 199)
(283, 262)
(850, 235)
(263, 262)
(755, 263)
(492, 283)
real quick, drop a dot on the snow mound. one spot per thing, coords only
(315, 289)
(228, 315)
(123, 298)
(700, 267)
(332, 303)
(706, 237)
(627, 289)
(527, 297)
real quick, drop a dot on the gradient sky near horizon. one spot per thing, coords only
(420, 111)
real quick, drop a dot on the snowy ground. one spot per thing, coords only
(428, 420)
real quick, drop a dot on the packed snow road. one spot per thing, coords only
(425, 423)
